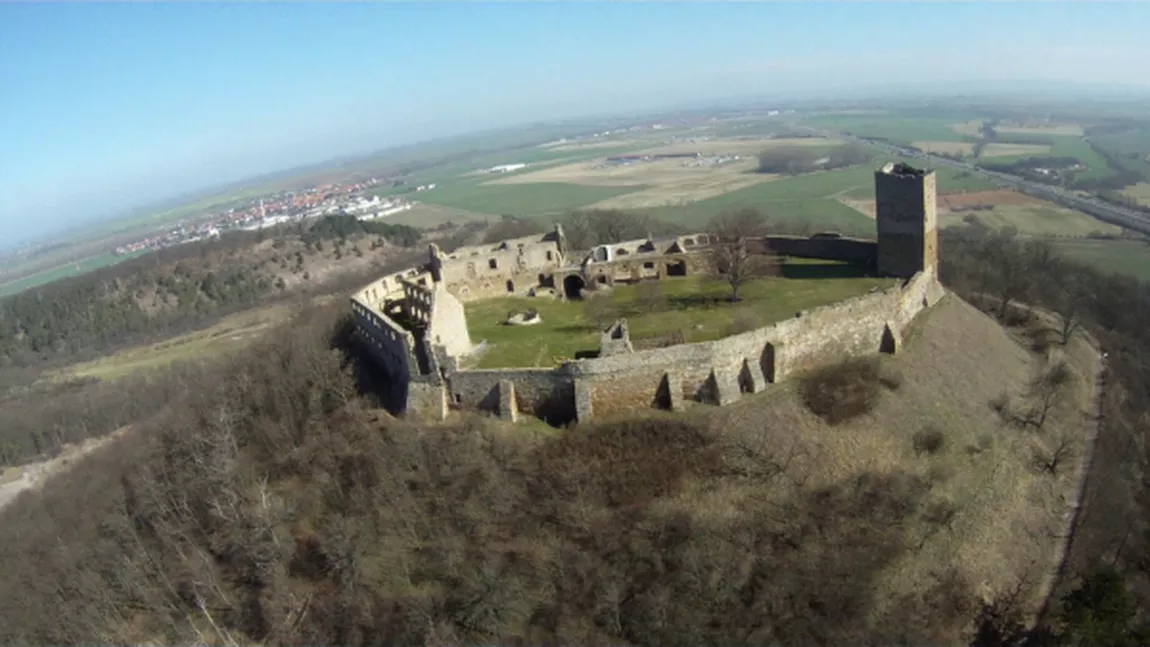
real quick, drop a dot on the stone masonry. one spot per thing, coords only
(413, 324)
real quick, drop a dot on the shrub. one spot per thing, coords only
(843, 391)
(890, 377)
(929, 441)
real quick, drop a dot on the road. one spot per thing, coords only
(1105, 211)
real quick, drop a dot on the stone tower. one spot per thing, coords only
(907, 223)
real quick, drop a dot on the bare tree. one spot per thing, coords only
(733, 254)
(1053, 459)
(1045, 390)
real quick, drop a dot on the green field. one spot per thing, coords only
(895, 128)
(518, 199)
(64, 271)
(696, 306)
(1127, 257)
(808, 201)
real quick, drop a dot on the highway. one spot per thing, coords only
(1100, 209)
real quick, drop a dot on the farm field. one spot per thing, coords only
(1140, 192)
(426, 216)
(229, 334)
(539, 199)
(696, 306)
(1069, 130)
(1031, 216)
(812, 202)
(895, 128)
(1126, 257)
(64, 271)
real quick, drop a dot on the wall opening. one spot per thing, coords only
(648, 266)
(510, 286)
(573, 285)
(492, 264)
(550, 255)
(887, 344)
(677, 269)
(767, 362)
(543, 280)
(601, 279)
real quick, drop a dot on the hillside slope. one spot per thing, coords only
(991, 514)
(273, 505)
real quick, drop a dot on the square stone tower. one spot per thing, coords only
(905, 214)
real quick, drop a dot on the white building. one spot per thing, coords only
(506, 168)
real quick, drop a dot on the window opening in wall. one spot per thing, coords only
(550, 256)
(510, 286)
(492, 264)
(602, 280)
(677, 269)
(648, 266)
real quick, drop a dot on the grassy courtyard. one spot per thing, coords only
(694, 307)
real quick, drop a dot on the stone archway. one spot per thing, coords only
(573, 286)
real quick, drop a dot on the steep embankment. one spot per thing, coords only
(993, 512)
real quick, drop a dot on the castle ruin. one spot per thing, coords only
(414, 326)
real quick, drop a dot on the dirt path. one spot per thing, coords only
(34, 475)
(1077, 503)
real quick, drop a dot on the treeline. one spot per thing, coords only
(163, 293)
(342, 226)
(793, 160)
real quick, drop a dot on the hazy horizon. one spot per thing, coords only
(109, 108)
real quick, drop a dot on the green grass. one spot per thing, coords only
(64, 271)
(230, 334)
(807, 202)
(519, 199)
(1126, 257)
(567, 327)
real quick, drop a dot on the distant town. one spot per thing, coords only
(277, 209)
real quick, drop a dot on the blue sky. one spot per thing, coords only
(106, 107)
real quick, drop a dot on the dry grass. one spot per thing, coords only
(672, 182)
(658, 183)
(1010, 150)
(1140, 192)
(10, 474)
(751, 146)
(1073, 130)
(950, 148)
(991, 514)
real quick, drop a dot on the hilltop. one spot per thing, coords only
(310, 517)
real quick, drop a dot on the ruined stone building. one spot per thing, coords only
(414, 326)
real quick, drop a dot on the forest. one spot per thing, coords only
(267, 499)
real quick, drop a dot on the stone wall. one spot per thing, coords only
(510, 267)
(715, 372)
(546, 393)
(390, 344)
(448, 325)
(851, 250)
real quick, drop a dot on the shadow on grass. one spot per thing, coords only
(693, 301)
(822, 271)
